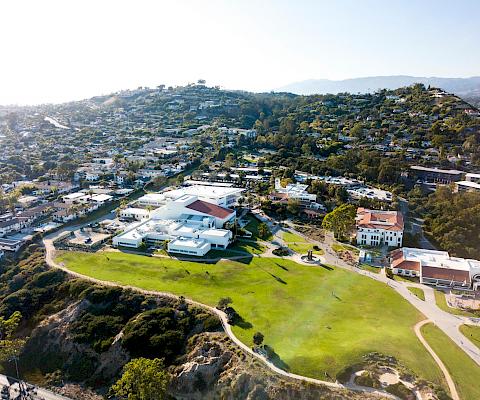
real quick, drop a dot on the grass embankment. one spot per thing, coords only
(316, 319)
(366, 267)
(344, 247)
(417, 292)
(406, 279)
(464, 371)
(299, 244)
(472, 333)
(249, 246)
(441, 301)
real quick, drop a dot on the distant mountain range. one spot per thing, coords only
(465, 87)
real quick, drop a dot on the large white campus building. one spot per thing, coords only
(375, 228)
(221, 196)
(297, 191)
(436, 268)
(191, 226)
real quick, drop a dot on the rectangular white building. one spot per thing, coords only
(467, 186)
(221, 196)
(437, 268)
(133, 213)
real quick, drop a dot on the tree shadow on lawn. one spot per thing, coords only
(275, 358)
(281, 266)
(241, 323)
(245, 260)
(325, 266)
(278, 279)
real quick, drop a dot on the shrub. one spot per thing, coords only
(157, 333)
(96, 330)
(224, 302)
(211, 323)
(343, 376)
(48, 278)
(400, 390)
(281, 252)
(367, 379)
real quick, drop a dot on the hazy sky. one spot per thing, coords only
(55, 51)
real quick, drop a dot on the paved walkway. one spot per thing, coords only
(451, 384)
(39, 393)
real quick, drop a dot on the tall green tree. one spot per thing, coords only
(142, 379)
(341, 220)
(10, 346)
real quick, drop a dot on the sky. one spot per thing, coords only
(55, 51)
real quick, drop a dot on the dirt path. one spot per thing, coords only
(451, 384)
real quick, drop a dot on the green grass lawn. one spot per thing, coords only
(344, 247)
(472, 333)
(249, 246)
(464, 371)
(370, 268)
(316, 319)
(299, 244)
(400, 278)
(417, 292)
(442, 304)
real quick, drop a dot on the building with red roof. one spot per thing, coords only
(377, 227)
(437, 268)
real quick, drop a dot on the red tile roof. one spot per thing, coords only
(446, 274)
(387, 220)
(210, 209)
(396, 254)
(409, 265)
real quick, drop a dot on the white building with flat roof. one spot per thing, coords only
(133, 213)
(188, 246)
(77, 197)
(437, 268)
(470, 177)
(219, 195)
(467, 186)
(152, 200)
(191, 226)
(101, 198)
(297, 191)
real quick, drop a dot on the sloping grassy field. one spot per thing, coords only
(316, 319)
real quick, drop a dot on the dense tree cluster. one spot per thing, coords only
(453, 221)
